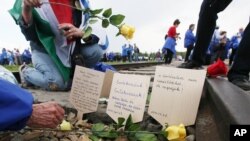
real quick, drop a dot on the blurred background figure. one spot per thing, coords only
(4, 57)
(170, 43)
(26, 56)
(158, 55)
(189, 41)
(136, 53)
(124, 53)
(130, 52)
(235, 41)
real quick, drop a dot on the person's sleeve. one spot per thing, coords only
(29, 31)
(15, 106)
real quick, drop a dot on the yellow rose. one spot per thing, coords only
(127, 31)
(177, 133)
(65, 126)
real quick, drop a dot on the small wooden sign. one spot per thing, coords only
(86, 90)
(128, 95)
(176, 95)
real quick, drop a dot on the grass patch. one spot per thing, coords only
(12, 68)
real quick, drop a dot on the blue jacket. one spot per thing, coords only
(234, 42)
(4, 53)
(227, 47)
(170, 44)
(124, 51)
(130, 49)
(111, 56)
(26, 53)
(189, 38)
(15, 106)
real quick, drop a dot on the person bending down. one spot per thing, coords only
(17, 109)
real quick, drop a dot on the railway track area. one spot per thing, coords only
(221, 105)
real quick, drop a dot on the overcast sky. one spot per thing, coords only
(151, 18)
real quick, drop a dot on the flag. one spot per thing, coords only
(47, 19)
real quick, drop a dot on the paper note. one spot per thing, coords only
(107, 84)
(128, 96)
(176, 95)
(86, 89)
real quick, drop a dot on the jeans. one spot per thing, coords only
(45, 73)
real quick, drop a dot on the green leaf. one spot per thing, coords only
(132, 138)
(93, 21)
(129, 122)
(164, 133)
(106, 134)
(145, 137)
(121, 120)
(87, 32)
(118, 34)
(98, 127)
(105, 23)
(87, 10)
(134, 127)
(120, 123)
(96, 11)
(130, 126)
(94, 138)
(116, 19)
(107, 13)
(99, 131)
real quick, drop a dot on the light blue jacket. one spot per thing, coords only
(189, 38)
(234, 42)
(124, 50)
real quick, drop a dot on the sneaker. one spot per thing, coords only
(242, 83)
(22, 79)
(190, 65)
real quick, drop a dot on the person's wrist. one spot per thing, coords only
(27, 14)
(30, 120)
(27, 8)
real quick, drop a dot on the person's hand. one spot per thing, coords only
(27, 9)
(46, 115)
(70, 31)
(32, 3)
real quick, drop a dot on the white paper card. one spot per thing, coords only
(128, 95)
(86, 89)
(176, 95)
